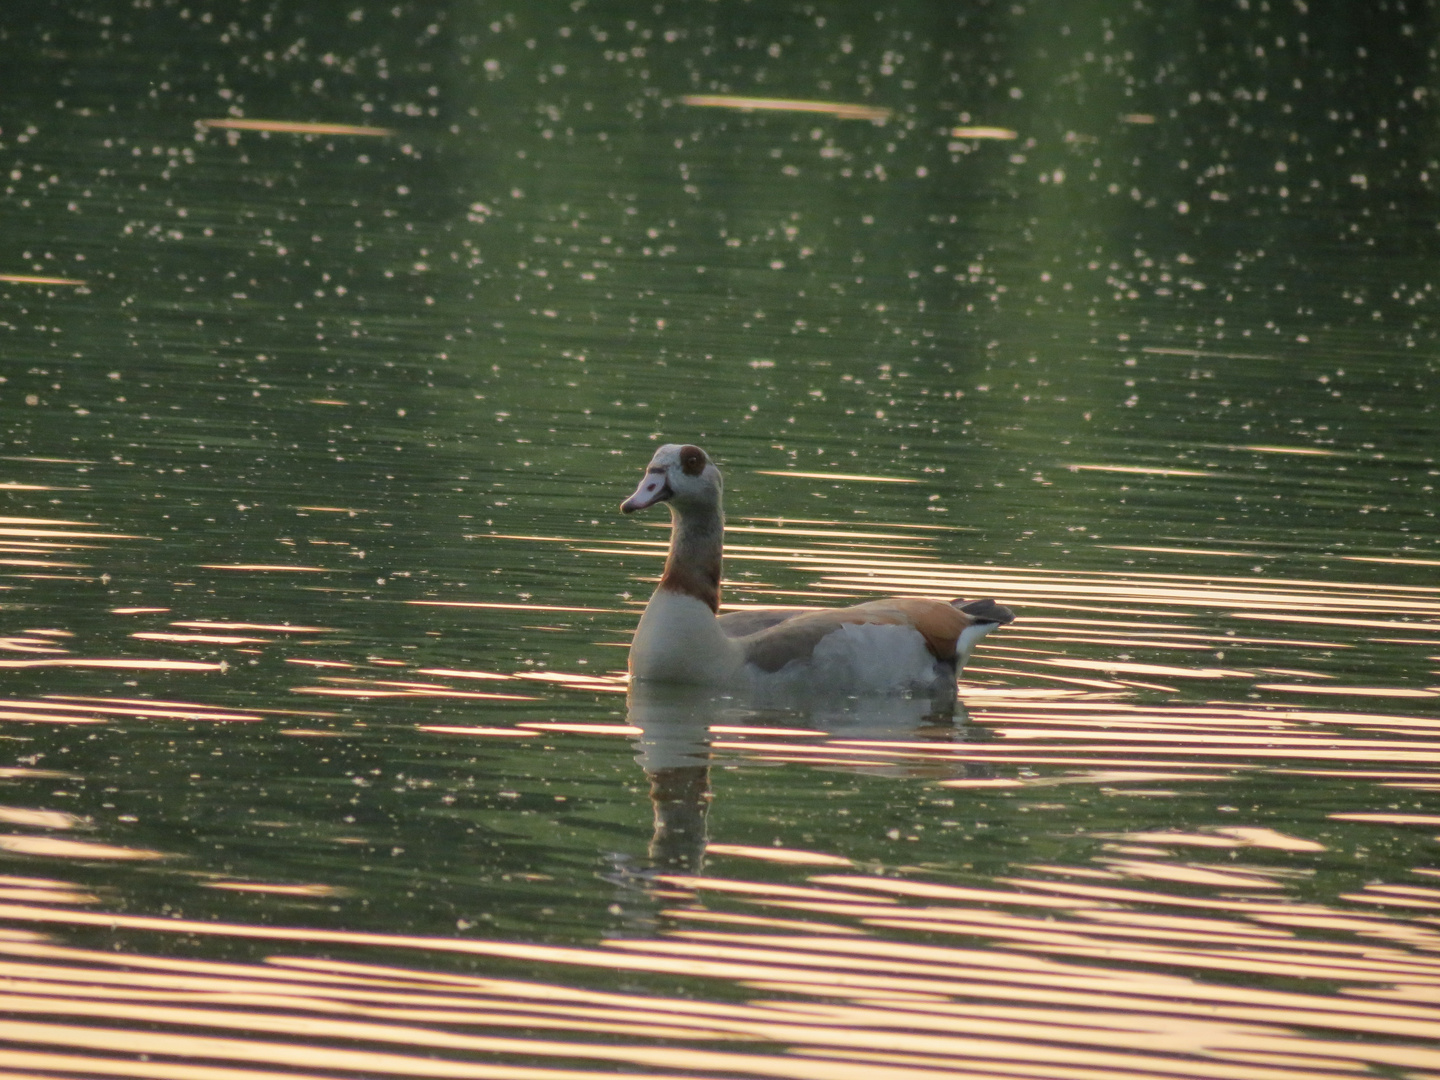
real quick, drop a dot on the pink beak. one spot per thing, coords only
(654, 488)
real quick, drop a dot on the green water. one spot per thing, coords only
(314, 445)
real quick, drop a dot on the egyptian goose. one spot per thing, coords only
(901, 645)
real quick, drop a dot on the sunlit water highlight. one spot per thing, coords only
(1095, 961)
(330, 341)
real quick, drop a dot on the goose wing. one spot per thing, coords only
(795, 637)
(743, 623)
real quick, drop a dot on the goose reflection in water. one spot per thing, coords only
(680, 726)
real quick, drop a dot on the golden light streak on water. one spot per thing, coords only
(770, 890)
(789, 856)
(38, 819)
(500, 606)
(130, 665)
(1039, 931)
(1111, 776)
(268, 888)
(859, 478)
(582, 729)
(457, 673)
(47, 577)
(30, 645)
(601, 683)
(1390, 560)
(523, 536)
(60, 704)
(292, 127)
(41, 547)
(446, 729)
(289, 1054)
(831, 752)
(979, 131)
(1398, 896)
(1156, 549)
(766, 732)
(199, 639)
(48, 847)
(67, 534)
(1303, 451)
(31, 894)
(277, 628)
(1315, 620)
(1297, 673)
(1146, 669)
(1140, 470)
(762, 921)
(12, 773)
(266, 568)
(1350, 691)
(1230, 838)
(189, 710)
(350, 687)
(784, 527)
(1007, 1008)
(931, 891)
(832, 523)
(1188, 874)
(37, 279)
(840, 110)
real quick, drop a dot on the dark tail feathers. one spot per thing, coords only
(985, 611)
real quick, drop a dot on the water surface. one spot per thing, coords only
(331, 341)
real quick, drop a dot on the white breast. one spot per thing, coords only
(968, 638)
(679, 641)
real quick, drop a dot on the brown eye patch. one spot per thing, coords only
(692, 460)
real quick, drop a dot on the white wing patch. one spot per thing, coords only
(861, 658)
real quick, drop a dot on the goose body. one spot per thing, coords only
(895, 646)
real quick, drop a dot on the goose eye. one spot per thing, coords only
(692, 460)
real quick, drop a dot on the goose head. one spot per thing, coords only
(683, 476)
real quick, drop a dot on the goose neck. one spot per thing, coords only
(697, 540)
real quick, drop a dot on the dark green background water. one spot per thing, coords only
(1160, 371)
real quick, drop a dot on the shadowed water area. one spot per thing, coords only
(331, 338)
